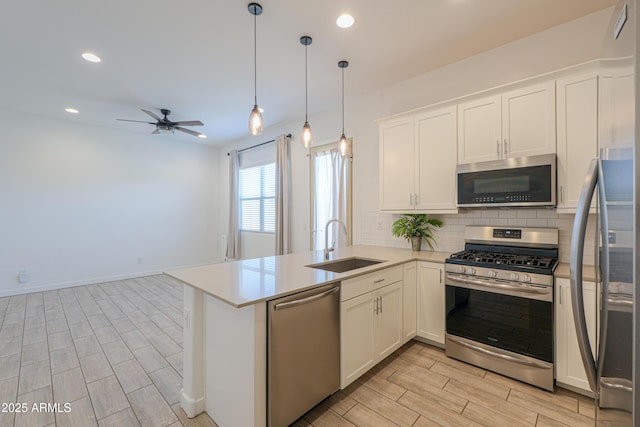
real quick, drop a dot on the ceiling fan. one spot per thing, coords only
(166, 125)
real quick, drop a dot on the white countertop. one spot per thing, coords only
(247, 282)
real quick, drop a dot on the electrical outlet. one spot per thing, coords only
(23, 276)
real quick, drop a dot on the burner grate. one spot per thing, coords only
(504, 259)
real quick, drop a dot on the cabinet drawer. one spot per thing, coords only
(368, 282)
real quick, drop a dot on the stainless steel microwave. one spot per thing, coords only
(520, 181)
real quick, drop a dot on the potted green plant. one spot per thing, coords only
(416, 228)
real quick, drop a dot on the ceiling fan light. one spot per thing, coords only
(71, 110)
(202, 136)
(255, 121)
(307, 136)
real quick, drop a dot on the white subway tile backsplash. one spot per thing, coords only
(507, 213)
(526, 213)
(450, 238)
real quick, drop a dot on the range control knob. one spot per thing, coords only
(514, 276)
(491, 273)
(526, 278)
(471, 270)
(462, 270)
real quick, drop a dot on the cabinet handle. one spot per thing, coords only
(375, 309)
(378, 280)
(560, 295)
(440, 275)
(415, 199)
(410, 199)
(498, 147)
(561, 195)
(505, 147)
(380, 304)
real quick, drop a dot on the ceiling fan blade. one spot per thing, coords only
(137, 121)
(189, 131)
(189, 123)
(152, 114)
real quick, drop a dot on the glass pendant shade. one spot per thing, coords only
(255, 121)
(307, 136)
(344, 145)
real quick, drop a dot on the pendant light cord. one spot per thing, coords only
(306, 88)
(255, 61)
(343, 101)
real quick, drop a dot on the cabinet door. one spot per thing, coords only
(479, 127)
(357, 334)
(569, 367)
(431, 302)
(529, 121)
(577, 134)
(396, 164)
(435, 160)
(409, 303)
(389, 320)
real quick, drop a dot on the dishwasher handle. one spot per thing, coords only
(312, 298)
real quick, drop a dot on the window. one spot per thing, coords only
(330, 194)
(258, 198)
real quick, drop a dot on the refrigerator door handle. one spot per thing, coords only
(575, 269)
(604, 268)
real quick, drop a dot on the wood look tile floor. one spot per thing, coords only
(114, 352)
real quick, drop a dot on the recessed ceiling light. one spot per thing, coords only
(202, 135)
(91, 57)
(345, 21)
(71, 110)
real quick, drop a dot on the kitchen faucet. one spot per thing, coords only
(328, 249)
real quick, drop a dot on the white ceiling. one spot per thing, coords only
(195, 57)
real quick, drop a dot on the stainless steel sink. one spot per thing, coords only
(345, 264)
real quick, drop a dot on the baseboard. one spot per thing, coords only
(192, 407)
(91, 281)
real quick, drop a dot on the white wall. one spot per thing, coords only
(82, 204)
(573, 43)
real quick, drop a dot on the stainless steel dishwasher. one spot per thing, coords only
(303, 357)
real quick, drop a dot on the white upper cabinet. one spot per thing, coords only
(577, 134)
(435, 160)
(479, 130)
(517, 123)
(396, 164)
(417, 162)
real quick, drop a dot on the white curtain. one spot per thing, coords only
(332, 193)
(233, 236)
(283, 196)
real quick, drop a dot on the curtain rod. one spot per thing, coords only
(261, 144)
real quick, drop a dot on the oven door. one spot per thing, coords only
(500, 316)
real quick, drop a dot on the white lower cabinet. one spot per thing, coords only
(371, 329)
(409, 301)
(431, 302)
(569, 368)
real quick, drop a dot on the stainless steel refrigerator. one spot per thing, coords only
(613, 178)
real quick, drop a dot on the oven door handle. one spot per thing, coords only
(457, 279)
(498, 355)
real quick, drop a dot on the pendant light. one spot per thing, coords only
(307, 137)
(343, 143)
(255, 118)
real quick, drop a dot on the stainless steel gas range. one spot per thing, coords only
(499, 301)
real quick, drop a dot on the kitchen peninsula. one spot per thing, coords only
(225, 323)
